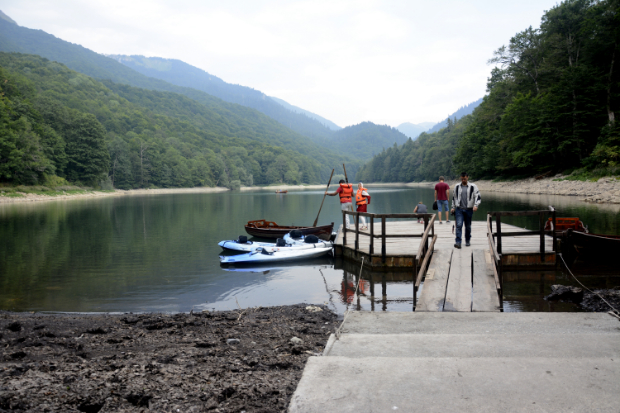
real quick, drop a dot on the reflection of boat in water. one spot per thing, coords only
(325, 262)
(269, 229)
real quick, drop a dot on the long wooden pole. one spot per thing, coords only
(345, 173)
(317, 215)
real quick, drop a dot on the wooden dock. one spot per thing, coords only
(518, 252)
(457, 280)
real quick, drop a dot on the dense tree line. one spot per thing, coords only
(57, 122)
(550, 107)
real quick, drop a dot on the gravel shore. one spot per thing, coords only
(247, 360)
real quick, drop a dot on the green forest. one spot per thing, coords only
(57, 123)
(550, 108)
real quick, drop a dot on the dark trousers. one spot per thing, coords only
(463, 215)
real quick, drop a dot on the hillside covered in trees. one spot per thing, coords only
(550, 107)
(57, 122)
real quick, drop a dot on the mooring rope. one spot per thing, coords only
(338, 331)
(615, 311)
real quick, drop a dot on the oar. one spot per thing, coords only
(317, 215)
(345, 173)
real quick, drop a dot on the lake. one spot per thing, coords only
(159, 252)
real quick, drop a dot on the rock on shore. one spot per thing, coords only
(232, 361)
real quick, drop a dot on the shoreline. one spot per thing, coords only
(243, 360)
(604, 191)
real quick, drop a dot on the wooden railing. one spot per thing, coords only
(495, 238)
(424, 253)
(429, 221)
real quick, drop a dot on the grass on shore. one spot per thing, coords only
(21, 190)
(612, 172)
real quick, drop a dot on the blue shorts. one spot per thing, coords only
(443, 203)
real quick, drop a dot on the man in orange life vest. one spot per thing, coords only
(345, 191)
(362, 199)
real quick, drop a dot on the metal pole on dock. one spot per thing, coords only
(498, 223)
(344, 228)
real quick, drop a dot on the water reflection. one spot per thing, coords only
(160, 253)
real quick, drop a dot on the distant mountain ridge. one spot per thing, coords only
(461, 112)
(414, 130)
(183, 74)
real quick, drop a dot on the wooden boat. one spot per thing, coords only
(268, 229)
(564, 224)
(594, 245)
(281, 192)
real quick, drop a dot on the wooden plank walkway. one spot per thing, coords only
(457, 280)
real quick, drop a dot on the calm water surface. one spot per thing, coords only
(160, 253)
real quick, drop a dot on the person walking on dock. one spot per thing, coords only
(345, 191)
(362, 200)
(465, 201)
(420, 209)
(442, 193)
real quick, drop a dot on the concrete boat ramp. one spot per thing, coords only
(466, 362)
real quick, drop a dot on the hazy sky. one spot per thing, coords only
(349, 61)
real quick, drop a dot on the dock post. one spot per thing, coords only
(372, 236)
(541, 222)
(383, 240)
(498, 223)
(344, 228)
(357, 231)
(426, 242)
(372, 291)
(383, 292)
(554, 233)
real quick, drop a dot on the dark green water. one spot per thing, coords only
(160, 253)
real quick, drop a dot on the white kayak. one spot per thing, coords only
(243, 245)
(289, 252)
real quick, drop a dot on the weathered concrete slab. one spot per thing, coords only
(480, 323)
(434, 287)
(458, 293)
(340, 384)
(475, 345)
(484, 291)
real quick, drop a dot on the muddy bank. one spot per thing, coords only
(247, 360)
(605, 190)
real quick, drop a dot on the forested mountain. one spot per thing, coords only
(427, 158)
(461, 112)
(180, 73)
(55, 121)
(362, 141)
(550, 107)
(14, 38)
(412, 131)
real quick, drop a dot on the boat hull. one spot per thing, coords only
(279, 255)
(266, 229)
(594, 246)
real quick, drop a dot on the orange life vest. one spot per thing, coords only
(347, 193)
(359, 199)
